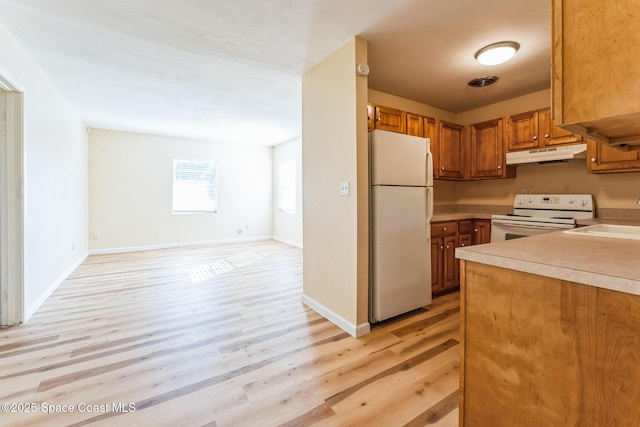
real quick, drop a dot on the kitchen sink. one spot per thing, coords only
(608, 230)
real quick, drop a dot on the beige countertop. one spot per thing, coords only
(457, 216)
(592, 221)
(597, 261)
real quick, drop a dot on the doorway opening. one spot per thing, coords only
(11, 205)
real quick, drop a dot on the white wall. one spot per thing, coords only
(55, 177)
(131, 184)
(287, 227)
(334, 149)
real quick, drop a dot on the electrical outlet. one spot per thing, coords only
(344, 188)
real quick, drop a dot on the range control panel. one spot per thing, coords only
(568, 202)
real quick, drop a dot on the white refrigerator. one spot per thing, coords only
(401, 180)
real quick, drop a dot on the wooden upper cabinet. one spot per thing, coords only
(431, 131)
(536, 129)
(371, 117)
(596, 69)
(602, 158)
(451, 158)
(487, 150)
(522, 131)
(551, 134)
(415, 125)
(391, 119)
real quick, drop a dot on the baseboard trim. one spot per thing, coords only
(31, 310)
(288, 242)
(177, 245)
(351, 328)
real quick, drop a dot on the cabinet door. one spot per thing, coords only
(371, 117)
(481, 232)
(522, 131)
(450, 265)
(450, 150)
(601, 158)
(437, 253)
(595, 66)
(552, 135)
(464, 240)
(415, 125)
(487, 150)
(391, 119)
(431, 131)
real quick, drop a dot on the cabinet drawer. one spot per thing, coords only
(465, 227)
(449, 228)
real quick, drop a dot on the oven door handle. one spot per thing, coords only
(529, 225)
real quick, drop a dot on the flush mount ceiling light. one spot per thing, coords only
(497, 53)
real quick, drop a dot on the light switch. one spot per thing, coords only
(344, 188)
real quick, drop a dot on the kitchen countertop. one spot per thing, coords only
(457, 216)
(597, 261)
(593, 221)
(462, 212)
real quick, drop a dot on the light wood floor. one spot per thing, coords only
(217, 336)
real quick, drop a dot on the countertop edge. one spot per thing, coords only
(458, 216)
(599, 280)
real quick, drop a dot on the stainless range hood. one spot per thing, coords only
(550, 154)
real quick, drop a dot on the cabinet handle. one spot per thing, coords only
(593, 160)
(475, 230)
(378, 119)
(499, 167)
(535, 137)
(442, 168)
(441, 248)
(444, 228)
(546, 135)
(462, 244)
(447, 246)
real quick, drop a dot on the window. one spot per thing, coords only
(287, 186)
(195, 186)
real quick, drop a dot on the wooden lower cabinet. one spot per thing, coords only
(445, 238)
(481, 232)
(538, 351)
(451, 265)
(443, 260)
(437, 264)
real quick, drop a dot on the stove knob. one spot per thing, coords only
(571, 200)
(530, 200)
(583, 203)
(520, 202)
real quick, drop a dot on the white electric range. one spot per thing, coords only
(541, 213)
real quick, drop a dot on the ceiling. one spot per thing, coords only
(231, 71)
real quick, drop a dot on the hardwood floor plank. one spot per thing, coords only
(218, 336)
(437, 412)
(399, 398)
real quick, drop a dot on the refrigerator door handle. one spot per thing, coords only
(429, 164)
(429, 207)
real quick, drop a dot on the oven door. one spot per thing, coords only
(507, 230)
